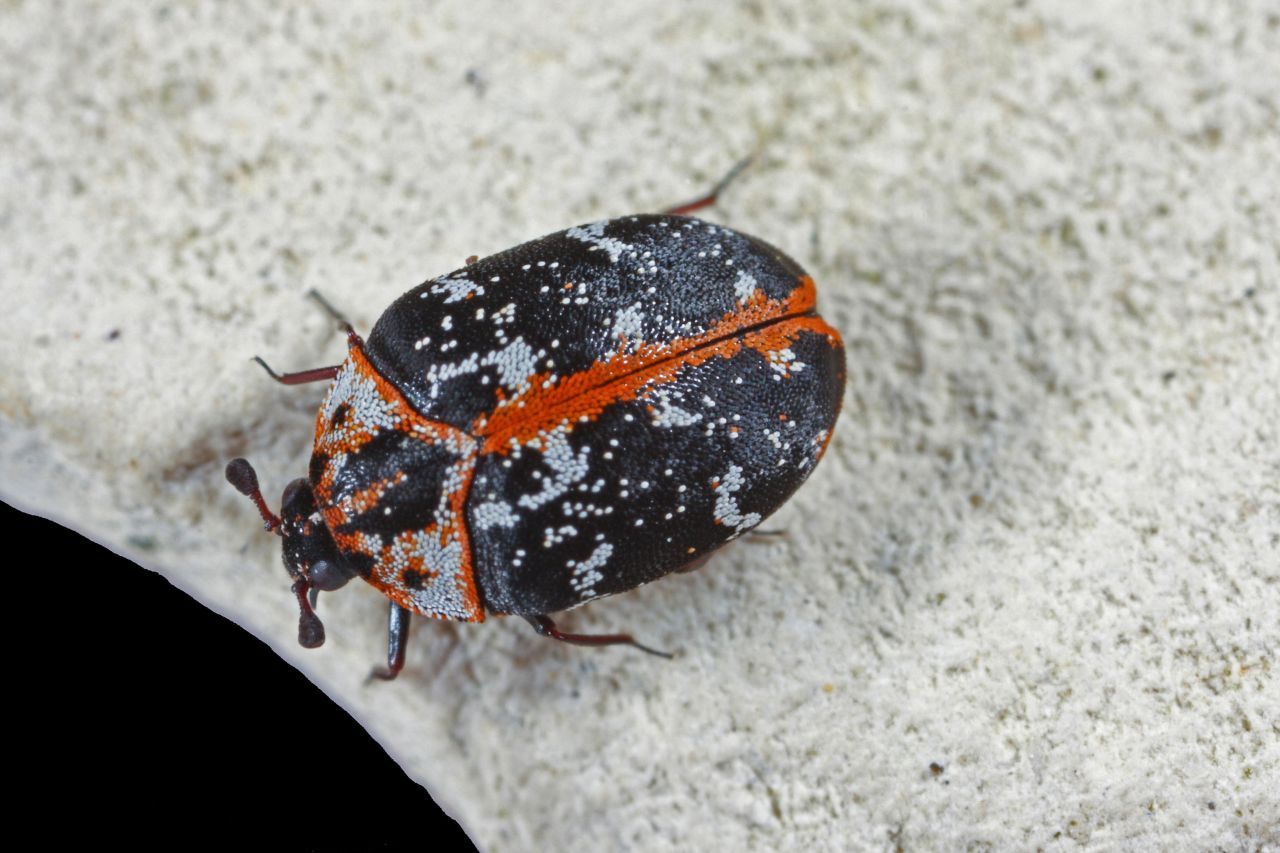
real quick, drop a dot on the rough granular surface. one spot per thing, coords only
(1029, 599)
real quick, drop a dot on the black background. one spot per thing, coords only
(143, 717)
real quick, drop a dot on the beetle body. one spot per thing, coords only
(571, 418)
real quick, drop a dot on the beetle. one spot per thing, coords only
(564, 420)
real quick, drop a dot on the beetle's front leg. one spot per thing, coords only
(397, 640)
(317, 374)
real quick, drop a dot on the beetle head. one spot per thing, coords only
(310, 556)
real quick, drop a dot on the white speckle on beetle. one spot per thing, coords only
(566, 469)
(628, 324)
(453, 289)
(593, 234)
(587, 573)
(493, 513)
(727, 511)
(665, 413)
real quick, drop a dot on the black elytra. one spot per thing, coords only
(567, 419)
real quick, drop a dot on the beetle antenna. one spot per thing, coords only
(241, 475)
(310, 628)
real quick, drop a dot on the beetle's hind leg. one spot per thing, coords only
(544, 626)
(710, 198)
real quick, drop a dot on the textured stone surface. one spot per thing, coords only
(1031, 598)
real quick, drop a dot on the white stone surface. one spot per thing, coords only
(1044, 550)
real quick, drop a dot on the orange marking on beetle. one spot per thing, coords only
(392, 559)
(624, 375)
(333, 439)
(358, 503)
(779, 336)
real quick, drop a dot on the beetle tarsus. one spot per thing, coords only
(547, 628)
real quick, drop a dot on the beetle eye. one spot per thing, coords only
(295, 491)
(326, 576)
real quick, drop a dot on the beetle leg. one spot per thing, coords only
(316, 374)
(353, 340)
(544, 626)
(397, 641)
(710, 198)
(758, 536)
(329, 309)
